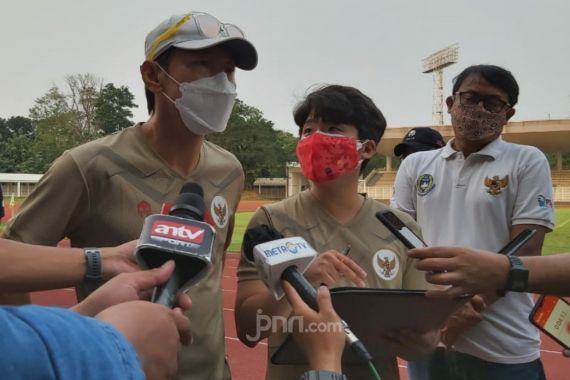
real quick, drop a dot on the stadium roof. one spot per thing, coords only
(547, 135)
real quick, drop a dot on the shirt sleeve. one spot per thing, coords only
(52, 343)
(404, 198)
(533, 203)
(54, 208)
(247, 269)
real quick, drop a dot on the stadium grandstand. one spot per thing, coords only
(550, 136)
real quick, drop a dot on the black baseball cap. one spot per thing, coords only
(419, 139)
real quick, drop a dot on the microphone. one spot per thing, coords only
(278, 258)
(181, 236)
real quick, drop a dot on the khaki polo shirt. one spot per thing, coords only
(474, 202)
(371, 244)
(99, 194)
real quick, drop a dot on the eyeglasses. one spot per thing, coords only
(491, 103)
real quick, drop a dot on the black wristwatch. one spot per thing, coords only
(93, 271)
(517, 280)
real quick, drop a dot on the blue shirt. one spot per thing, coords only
(52, 343)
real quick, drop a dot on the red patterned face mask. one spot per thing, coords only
(324, 157)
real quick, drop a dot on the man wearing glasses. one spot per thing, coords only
(480, 191)
(100, 193)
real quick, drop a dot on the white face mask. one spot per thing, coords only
(206, 104)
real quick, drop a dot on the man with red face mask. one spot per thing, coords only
(480, 191)
(340, 128)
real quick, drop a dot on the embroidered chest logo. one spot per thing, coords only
(143, 209)
(386, 264)
(424, 184)
(495, 184)
(219, 211)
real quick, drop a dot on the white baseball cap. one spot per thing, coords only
(197, 31)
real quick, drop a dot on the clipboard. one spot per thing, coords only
(371, 313)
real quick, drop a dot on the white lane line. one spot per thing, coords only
(551, 352)
(562, 224)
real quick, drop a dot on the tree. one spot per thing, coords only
(83, 94)
(63, 119)
(16, 139)
(15, 125)
(288, 143)
(252, 139)
(113, 109)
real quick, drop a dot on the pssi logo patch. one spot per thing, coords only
(544, 202)
(178, 231)
(424, 184)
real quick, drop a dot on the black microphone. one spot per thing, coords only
(278, 258)
(181, 236)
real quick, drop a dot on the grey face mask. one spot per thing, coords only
(206, 104)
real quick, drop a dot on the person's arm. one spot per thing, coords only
(27, 267)
(56, 205)
(65, 345)
(470, 271)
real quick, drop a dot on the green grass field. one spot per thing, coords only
(242, 219)
(557, 241)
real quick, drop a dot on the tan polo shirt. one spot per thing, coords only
(371, 243)
(99, 194)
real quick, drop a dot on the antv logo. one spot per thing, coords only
(178, 231)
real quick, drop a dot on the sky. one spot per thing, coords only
(374, 45)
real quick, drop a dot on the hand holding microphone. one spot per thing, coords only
(323, 349)
(181, 236)
(278, 258)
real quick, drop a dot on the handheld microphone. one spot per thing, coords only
(278, 258)
(181, 236)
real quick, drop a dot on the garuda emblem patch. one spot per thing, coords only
(219, 211)
(495, 184)
(386, 264)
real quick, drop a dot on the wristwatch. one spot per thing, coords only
(322, 375)
(93, 273)
(517, 280)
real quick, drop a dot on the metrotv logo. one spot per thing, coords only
(178, 231)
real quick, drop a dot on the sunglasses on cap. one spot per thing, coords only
(208, 26)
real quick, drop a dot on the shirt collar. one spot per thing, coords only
(493, 149)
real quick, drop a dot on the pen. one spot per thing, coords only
(346, 250)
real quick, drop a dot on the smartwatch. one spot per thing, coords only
(517, 280)
(93, 273)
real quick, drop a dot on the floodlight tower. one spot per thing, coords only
(435, 64)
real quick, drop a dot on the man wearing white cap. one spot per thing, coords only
(99, 194)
